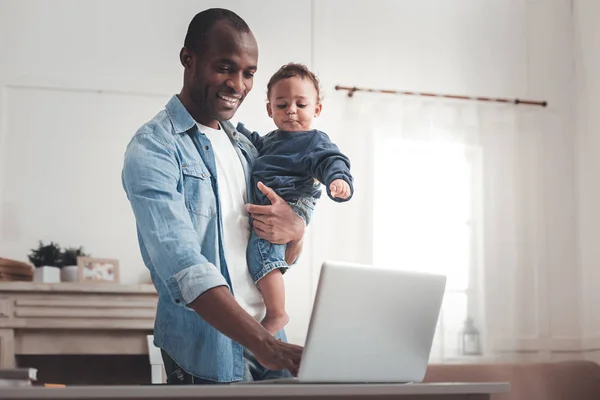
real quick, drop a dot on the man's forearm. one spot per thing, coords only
(218, 307)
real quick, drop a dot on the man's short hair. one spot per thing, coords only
(201, 24)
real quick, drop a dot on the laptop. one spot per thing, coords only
(370, 325)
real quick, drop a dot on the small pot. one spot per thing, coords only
(46, 274)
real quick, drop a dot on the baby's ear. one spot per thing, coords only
(318, 109)
(269, 110)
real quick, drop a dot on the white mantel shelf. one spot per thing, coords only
(74, 318)
(75, 287)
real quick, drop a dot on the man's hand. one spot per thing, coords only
(276, 355)
(218, 307)
(277, 223)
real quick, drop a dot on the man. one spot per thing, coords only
(186, 174)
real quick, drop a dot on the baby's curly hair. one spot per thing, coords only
(294, 69)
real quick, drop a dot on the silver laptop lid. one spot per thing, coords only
(371, 325)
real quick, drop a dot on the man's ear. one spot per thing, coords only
(185, 57)
(318, 109)
(269, 110)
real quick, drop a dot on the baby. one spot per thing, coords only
(292, 160)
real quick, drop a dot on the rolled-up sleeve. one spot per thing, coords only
(150, 177)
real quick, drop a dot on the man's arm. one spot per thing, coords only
(219, 308)
(150, 177)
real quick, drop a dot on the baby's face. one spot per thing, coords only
(293, 104)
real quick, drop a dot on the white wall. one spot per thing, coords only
(587, 52)
(57, 128)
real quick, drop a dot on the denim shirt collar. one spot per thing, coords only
(180, 117)
(183, 121)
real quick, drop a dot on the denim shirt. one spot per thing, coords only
(170, 178)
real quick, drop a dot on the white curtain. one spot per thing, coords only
(453, 187)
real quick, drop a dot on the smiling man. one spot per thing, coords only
(186, 174)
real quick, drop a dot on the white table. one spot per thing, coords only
(422, 391)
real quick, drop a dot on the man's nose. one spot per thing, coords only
(236, 82)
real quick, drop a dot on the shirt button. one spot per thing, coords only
(177, 301)
(203, 175)
(206, 148)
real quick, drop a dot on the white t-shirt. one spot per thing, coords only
(236, 228)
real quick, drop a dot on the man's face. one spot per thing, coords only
(219, 77)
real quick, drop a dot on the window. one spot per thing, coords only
(427, 218)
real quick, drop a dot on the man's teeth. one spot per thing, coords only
(230, 100)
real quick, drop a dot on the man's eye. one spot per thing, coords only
(281, 106)
(249, 75)
(223, 68)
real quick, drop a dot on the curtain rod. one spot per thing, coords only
(352, 90)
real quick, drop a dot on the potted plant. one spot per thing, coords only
(68, 263)
(45, 259)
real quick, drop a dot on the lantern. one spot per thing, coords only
(469, 339)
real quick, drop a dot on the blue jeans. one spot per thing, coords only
(253, 371)
(263, 256)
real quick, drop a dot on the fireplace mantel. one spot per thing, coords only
(74, 319)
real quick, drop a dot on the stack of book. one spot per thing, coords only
(17, 377)
(11, 270)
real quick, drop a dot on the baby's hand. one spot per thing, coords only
(339, 188)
